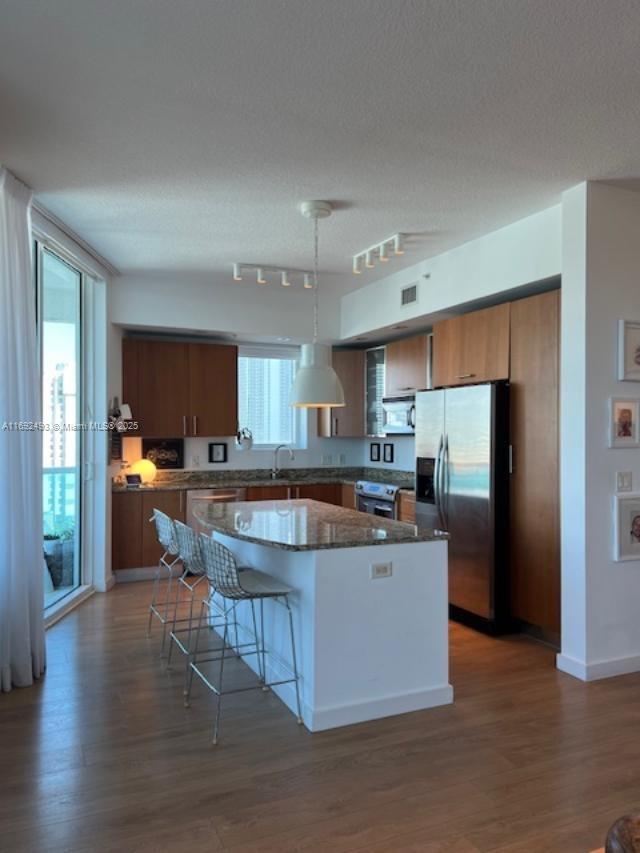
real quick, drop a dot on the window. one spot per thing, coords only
(58, 288)
(265, 377)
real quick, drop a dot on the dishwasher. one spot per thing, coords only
(195, 497)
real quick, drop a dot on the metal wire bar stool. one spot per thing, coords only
(234, 585)
(166, 533)
(182, 629)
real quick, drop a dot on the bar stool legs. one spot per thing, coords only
(293, 659)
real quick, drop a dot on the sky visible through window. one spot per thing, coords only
(263, 398)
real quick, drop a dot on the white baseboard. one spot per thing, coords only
(598, 669)
(146, 573)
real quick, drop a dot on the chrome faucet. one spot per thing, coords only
(275, 471)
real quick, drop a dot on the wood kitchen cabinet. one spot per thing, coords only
(347, 421)
(534, 482)
(268, 493)
(126, 530)
(330, 493)
(173, 504)
(180, 389)
(348, 495)
(405, 366)
(472, 348)
(213, 389)
(407, 507)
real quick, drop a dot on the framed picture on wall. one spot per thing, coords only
(624, 422)
(374, 451)
(387, 453)
(218, 451)
(629, 351)
(627, 527)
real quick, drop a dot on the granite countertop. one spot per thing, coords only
(306, 525)
(167, 481)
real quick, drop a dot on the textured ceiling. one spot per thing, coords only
(180, 136)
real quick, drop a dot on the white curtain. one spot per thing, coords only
(22, 652)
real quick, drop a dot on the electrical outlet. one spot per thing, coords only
(624, 481)
(327, 459)
(342, 458)
(196, 460)
(381, 570)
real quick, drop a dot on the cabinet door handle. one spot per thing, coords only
(194, 421)
(466, 376)
(184, 424)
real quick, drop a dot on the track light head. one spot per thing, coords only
(307, 281)
(285, 279)
(236, 272)
(383, 253)
(357, 264)
(260, 276)
(398, 245)
(368, 260)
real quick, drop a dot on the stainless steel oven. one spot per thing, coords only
(377, 499)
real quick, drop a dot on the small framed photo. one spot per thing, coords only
(624, 422)
(374, 451)
(218, 451)
(627, 527)
(629, 351)
(387, 453)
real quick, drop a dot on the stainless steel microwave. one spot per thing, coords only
(399, 415)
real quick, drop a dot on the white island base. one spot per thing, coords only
(367, 648)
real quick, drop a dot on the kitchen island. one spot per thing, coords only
(370, 606)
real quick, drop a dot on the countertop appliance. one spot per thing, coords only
(462, 486)
(399, 415)
(377, 498)
(196, 496)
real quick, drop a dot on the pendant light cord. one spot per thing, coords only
(315, 279)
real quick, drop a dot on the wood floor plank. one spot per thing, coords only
(102, 756)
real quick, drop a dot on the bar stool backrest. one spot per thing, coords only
(189, 548)
(221, 568)
(166, 532)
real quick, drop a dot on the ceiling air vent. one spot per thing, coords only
(409, 294)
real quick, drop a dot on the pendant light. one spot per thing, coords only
(316, 385)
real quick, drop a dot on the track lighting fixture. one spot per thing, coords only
(379, 252)
(287, 276)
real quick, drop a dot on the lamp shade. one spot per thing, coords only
(316, 385)
(145, 468)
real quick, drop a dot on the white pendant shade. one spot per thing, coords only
(316, 385)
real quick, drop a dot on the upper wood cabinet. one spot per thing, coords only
(347, 421)
(180, 389)
(472, 348)
(213, 389)
(405, 366)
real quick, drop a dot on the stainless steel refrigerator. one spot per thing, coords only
(462, 486)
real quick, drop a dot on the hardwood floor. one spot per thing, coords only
(101, 756)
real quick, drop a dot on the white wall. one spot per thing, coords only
(198, 303)
(601, 284)
(404, 453)
(526, 251)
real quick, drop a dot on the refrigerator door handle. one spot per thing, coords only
(436, 481)
(446, 481)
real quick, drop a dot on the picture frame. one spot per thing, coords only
(629, 351)
(374, 451)
(627, 526)
(218, 451)
(624, 422)
(387, 453)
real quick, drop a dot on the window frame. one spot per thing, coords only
(299, 416)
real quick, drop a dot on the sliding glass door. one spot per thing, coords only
(59, 289)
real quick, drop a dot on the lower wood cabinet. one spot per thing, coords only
(134, 543)
(268, 493)
(348, 495)
(330, 493)
(407, 507)
(126, 530)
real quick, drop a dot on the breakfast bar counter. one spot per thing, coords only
(370, 605)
